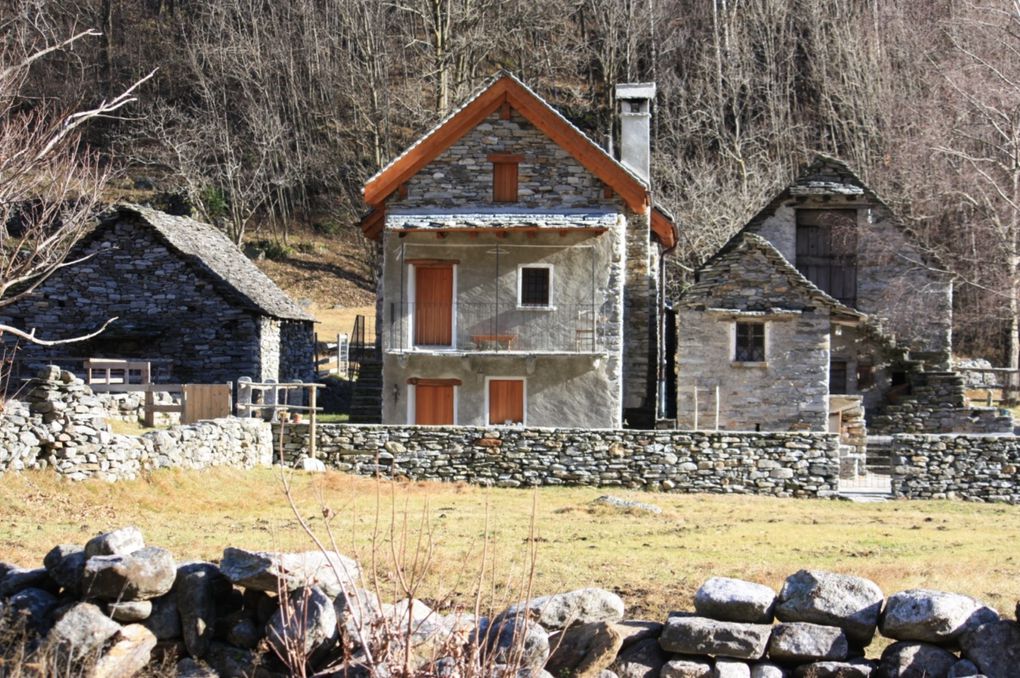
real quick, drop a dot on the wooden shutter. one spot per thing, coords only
(433, 404)
(433, 308)
(506, 401)
(504, 176)
(827, 251)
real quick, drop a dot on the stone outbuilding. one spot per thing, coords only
(184, 296)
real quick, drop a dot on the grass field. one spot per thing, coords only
(655, 562)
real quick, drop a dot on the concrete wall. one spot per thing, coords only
(788, 392)
(563, 388)
(914, 304)
(777, 464)
(163, 310)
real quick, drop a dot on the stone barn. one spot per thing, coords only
(184, 296)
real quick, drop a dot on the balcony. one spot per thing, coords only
(493, 328)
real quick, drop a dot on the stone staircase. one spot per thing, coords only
(937, 404)
(366, 400)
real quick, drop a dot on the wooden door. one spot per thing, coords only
(506, 401)
(433, 404)
(826, 251)
(433, 312)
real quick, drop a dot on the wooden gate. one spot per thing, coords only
(206, 401)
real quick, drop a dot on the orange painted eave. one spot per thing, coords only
(664, 229)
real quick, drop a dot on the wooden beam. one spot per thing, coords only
(501, 234)
(532, 234)
(504, 110)
(440, 235)
(509, 158)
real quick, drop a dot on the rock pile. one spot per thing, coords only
(118, 605)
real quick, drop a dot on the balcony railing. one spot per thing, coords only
(490, 327)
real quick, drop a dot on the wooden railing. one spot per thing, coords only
(275, 399)
(1004, 386)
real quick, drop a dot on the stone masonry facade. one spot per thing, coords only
(776, 464)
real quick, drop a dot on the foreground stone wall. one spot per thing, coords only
(778, 464)
(116, 607)
(62, 425)
(954, 466)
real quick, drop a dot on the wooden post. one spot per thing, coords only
(717, 407)
(150, 404)
(311, 422)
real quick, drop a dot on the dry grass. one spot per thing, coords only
(655, 562)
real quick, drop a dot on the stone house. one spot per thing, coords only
(183, 294)
(821, 300)
(520, 268)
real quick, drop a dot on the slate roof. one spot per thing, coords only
(214, 255)
(500, 218)
(726, 267)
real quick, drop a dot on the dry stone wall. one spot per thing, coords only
(116, 606)
(779, 464)
(61, 424)
(955, 466)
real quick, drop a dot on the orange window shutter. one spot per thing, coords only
(433, 405)
(506, 401)
(504, 182)
(433, 312)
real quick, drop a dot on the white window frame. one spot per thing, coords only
(412, 392)
(524, 397)
(551, 306)
(412, 300)
(766, 340)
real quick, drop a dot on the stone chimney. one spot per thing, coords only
(635, 128)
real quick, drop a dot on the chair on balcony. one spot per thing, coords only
(584, 332)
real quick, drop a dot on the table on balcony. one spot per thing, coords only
(498, 342)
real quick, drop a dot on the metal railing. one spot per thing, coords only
(490, 327)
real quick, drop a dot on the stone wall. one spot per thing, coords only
(297, 351)
(62, 425)
(937, 404)
(778, 464)
(955, 466)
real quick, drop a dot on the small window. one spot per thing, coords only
(535, 286)
(865, 375)
(750, 343)
(838, 377)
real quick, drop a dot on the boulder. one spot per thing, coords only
(817, 597)
(801, 642)
(916, 660)
(129, 612)
(510, 637)
(244, 633)
(932, 616)
(994, 648)
(583, 650)
(116, 543)
(730, 668)
(687, 668)
(735, 600)
(65, 564)
(81, 632)
(35, 606)
(855, 668)
(129, 654)
(164, 621)
(140, 575)
(574, 607)
(19, 579)
(229, 661)
(189, 668)
(699, 635)
(358, 614)
(767, 670)
(634, 630)
(307, 623)
(641, 659)
(197, 587)
(963, 669)
(328, 571)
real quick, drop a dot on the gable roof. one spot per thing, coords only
(728, 265)
(505, 88)
(215, 256)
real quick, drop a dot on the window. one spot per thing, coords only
(827, 251)
(534, 286)
(504, 176)
(838, 377)
(505, 402)
(750, 343)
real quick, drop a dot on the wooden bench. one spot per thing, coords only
(488, 342)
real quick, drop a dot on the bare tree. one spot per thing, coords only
(50, 186)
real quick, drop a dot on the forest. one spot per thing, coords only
(264, 115)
